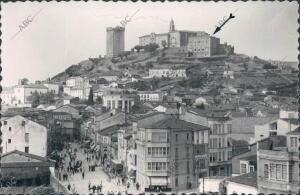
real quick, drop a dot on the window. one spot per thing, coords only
(176, 152)
(284, 172)
(187, 136)
(26, 137)
(293, 141)
(229, 128)
(266, 171)
(26, 149)
(251, 168)
(243, 168)
(278, 171)
(149, 151)
(9, 141)
(272, 171)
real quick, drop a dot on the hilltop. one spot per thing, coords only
(251, 72)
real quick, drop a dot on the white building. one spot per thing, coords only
(118, 99)
(150, 96)
(77, 87)
(52, 88)
(168, 71)
(19, 95)
(287, 122)
(19, 133)
(75, 81)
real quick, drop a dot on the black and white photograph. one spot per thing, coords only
(119, 98)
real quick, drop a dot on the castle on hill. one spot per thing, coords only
(198, 43)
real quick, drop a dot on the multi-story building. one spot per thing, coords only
(288, 121)
(22, 134)
(198, 42)
(203, 45)
(77, 87)
(167, 150)
(220, 143)
(167, 70)
(19, 94)
(150, 96)
(278, 167)
(119, 99)
(115, 41)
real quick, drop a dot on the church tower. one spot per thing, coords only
(172, 26)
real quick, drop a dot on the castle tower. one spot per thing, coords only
(172, 26)
(115, 41)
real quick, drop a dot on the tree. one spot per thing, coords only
(24, 81)
(138, 48)
(91, 98)
(151, 47)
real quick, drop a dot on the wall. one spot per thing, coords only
(240, 188)
(37, 136)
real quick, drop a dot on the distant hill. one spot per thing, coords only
(139, 63)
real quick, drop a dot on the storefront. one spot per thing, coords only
(158, 184)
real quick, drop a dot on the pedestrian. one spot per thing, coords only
(89, 185)
(98, 188)
(69, 187)
(94, 189)
(82, 175)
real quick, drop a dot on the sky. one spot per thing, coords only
(65, 33)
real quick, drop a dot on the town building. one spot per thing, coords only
(170, 71)
(26, 169)
(150, 96)
(19, 95)
(203, 45)
(278, 165)
(119, 99)
(287, 122)
(220, 141)
(20, 133)
(77, 87)
(200, 43)
(115, 41)
(52, 87)
(166, 153)
(109, 76)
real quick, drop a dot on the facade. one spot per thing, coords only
(168, 71)
(20, 133)
(115, 41)
(200, 43)
(220, 141)
(203, 45)
(150, 96)
(52, 88)
(77, 87)
(166, 151)
(119, 99)
(19, 95)
(278, 167)
(27, 169)
(287, 122)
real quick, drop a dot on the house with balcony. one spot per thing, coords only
(167, 149)
(278, 165)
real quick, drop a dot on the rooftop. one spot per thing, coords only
(173, 123)
(248, 179)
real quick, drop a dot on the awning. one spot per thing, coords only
(159, 181)
(132, 174)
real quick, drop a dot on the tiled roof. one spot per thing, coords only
(249, 179)
(249, 158)
(173, 123)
